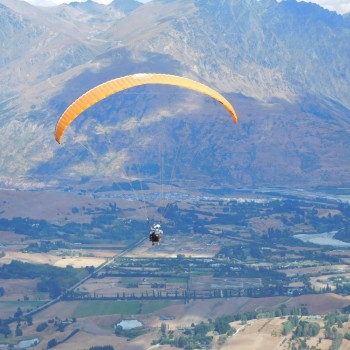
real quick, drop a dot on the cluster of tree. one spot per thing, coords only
(275, 235)
(104, 347)
(303, 212)
(222, 325)
(331, 332)
(233, 251)
(335, 318)
(307, 329)
(239, 213)
(45, 246)
(50, 285)
(54, 342)
(337, 339)
(105, 221)
(19, 318)
(18, 331)
(185, 219)
(192, 338)
(346, 309)
(290, 324)
(248, 209)
(2, 291)
(249, 272)
(158, 285)
(296, 212)
(53, 279)
(280, 311)
(320, 256)
(18, 269)
(343, 289)
(27, 226)
(108, 225)
(41, 326)
(239, 218)
(18, 314)
(299, 211)
(347, 336)
(196, 336)
(5, 328)
(343, 233)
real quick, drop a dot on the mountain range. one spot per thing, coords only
(283, 65)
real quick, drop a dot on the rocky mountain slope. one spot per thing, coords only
(283, 65)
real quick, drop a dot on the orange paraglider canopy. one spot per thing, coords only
(111, 87)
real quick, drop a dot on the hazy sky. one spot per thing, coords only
(340, 6)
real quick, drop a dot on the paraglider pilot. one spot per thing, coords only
(155, 234)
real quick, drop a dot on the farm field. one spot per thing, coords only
(8, 307)
(195, 311)
(193, 245)
(329, 281)
(256, 334)
(54, 206)
(53, 259)
(98, 329)
(111, 286)
(16, 289)
(209, 282)
(185, 280)
(323, 269)
(266, 334)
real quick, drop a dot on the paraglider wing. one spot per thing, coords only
(111, 87)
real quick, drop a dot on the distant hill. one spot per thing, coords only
(283, 65)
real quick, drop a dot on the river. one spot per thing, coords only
(325, 238)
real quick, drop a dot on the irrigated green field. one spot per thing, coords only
(101, 308)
